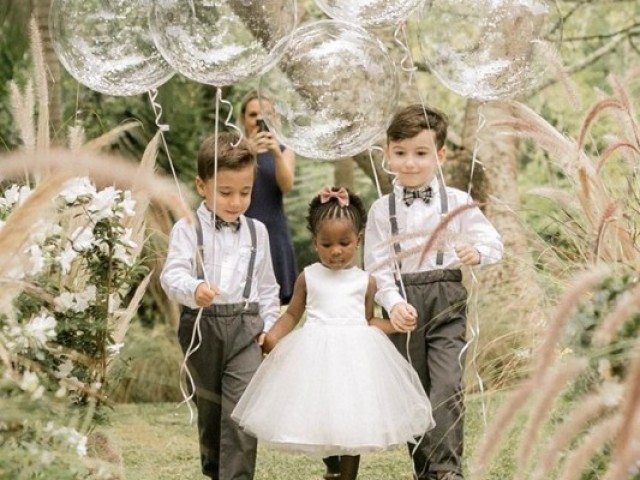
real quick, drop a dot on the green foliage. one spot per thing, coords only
(611, 360)
(148, 367)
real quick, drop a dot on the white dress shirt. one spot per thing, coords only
(226, 260)
(416, 223)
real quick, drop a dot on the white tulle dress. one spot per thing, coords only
(335, 386)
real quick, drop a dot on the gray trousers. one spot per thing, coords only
(436, 353)
(222, 367)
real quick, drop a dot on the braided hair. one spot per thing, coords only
(319, 212)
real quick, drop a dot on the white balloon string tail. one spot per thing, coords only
(227, 122)
(401, 30)
(482, 120)
(374, 170)
(189, 391)
(163, 127)
(474, 342)
(214, 186)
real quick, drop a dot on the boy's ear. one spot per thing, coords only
(200, 186)
(442, 155)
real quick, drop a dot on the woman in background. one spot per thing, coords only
(276, 170)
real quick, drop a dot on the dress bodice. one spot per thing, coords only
(335, 297)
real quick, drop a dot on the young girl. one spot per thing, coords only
(337, 386)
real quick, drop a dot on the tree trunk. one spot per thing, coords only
(343, 174)
(41, 15)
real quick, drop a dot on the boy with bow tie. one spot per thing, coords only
(422, 291)
(219, 269)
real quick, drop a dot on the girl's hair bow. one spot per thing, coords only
(341, 196)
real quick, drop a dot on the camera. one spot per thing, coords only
(262, 126)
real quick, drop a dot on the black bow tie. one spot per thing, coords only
(410, 195)
(235, 225)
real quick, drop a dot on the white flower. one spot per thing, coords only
(16, 194)
(36, 259)
(70, 437)
(126, 239)
(114, 302)
(115, 348)
(82, 238)
(76, 302)
(103, 204)
(64, 369)
(41, 329)
(77, 187)
(128, 204)
(86, 298)
(65, 301)
(120, 253)
(65, 259)
(31, 384)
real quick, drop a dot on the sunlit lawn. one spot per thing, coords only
(158, 443)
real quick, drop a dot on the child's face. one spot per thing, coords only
(336, 243)
(233, 192)
(415, 160)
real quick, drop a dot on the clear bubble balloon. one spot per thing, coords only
(486, 49)
(220, 42)
(107, 46)
(369, 13)
(333, 91)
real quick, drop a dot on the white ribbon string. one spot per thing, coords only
(187, 384)
(197, 332)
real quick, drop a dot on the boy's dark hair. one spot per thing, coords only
(412, 119)
(233, 154)
(319, 212)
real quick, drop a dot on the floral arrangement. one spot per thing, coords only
(65, 323)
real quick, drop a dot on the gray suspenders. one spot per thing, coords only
(393, 220)
(252, 259)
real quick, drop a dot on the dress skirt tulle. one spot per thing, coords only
(334, 390)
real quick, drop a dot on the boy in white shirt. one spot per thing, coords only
(434, 309)
(222, 264)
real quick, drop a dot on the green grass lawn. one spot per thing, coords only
(157, 443)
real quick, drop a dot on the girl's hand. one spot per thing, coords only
(268, 343)
(467, 254)
(403, 317)
(204, 295)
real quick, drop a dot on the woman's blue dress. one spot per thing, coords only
(267, 206)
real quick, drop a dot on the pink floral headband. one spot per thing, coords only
(341, 196)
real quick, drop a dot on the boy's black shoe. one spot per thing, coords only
(331, 476)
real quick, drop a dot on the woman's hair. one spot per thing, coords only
(332, 208)
(248, 97)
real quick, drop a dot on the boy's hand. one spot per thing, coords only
(467, 254)
(404, 317)
(204, 295)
